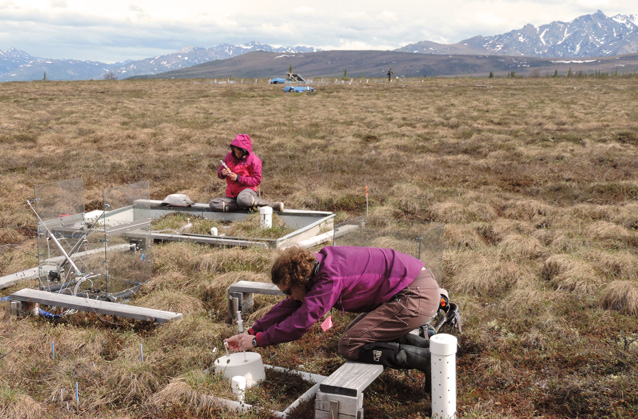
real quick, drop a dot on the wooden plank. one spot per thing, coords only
(12, 279)
(255, 287)
(33, 273)
(351, 378)
(96, 306)
(313, 241)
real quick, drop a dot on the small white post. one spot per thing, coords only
(266, 217)
(240, 322)
(238, 384)
(443, 358)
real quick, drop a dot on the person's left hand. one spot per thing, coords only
(240, 342)
(232, 176)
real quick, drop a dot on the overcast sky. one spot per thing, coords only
(117, 30)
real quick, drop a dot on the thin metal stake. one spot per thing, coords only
(367, 216)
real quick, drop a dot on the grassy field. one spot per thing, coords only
(535, 179)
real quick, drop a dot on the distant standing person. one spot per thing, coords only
(242, 172)
(390, 73)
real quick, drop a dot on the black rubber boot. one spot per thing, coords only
(414, 340)
(398, 356)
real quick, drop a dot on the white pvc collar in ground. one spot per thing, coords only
(443, 355)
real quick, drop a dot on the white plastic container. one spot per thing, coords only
(266, 217)
(443, 358)
(245, 364)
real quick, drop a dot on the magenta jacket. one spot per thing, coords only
(353, 279)
(248, 168)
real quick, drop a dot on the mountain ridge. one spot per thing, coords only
(17, 65)
(594, 35)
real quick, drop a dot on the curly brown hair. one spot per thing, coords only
(292, 267)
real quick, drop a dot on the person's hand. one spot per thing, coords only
(232, 176)
(240, 342)
(225, 171)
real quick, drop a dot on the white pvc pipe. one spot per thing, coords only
(243, 407)
(266, 217)
(443, 358)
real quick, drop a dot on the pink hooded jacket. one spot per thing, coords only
(248, 168)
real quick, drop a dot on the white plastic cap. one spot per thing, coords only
(443, 344)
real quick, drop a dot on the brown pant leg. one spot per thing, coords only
(412, 307)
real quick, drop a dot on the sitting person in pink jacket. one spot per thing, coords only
(393, 292)
(243, 176)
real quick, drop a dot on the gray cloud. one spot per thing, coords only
(63, 32)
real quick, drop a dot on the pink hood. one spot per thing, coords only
(243, 141)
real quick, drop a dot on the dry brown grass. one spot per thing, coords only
(621, 296)
(180, 393)
(520, 247)
(172, 301)
(620, 264)
(535, 180)
(482, 275)
(570, 273)
(606, 231)
(16, 405)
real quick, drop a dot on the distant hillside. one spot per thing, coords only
(377, 63)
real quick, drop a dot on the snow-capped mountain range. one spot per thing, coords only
(16, 65)
(593, 35)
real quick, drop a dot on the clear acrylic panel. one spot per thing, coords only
(100, 254)
(126, 226)
(59, 208)
(423, 241)
(60, 200)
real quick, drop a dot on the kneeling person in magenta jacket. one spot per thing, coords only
(392, 291)
(241, 168)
